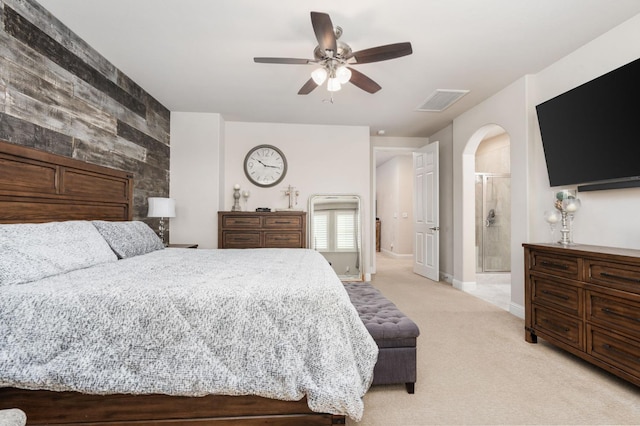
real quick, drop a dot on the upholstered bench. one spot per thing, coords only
(394, 332)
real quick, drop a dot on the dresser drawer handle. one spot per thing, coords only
(556, 326)
(618, 277)
(610, 348)
(283, 222)
(559, 296)
(617, 314)
(554, 265)
(241, 239)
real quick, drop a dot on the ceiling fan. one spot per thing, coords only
(335, 58)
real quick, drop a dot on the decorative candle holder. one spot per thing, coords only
(571, 206)
(236, 199)
(552, 217)
(567, 203)
(245, 197)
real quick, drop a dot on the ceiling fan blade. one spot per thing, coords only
(308, 87)
(294, 61)
(382, 53)
(323, 28)
(362, 81)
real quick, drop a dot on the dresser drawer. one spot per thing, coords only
(559, 295)
(287, 229)
(586, 299)
(241, 221)
(614, 349)
(240, 239)
(614, 275)
(562, 327)
(282, 239)
(613, 312)
(563, 266)
(294, 222)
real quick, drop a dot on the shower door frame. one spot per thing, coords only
(485, 213)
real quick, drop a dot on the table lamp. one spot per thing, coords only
(162, 208)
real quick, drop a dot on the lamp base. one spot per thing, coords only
(161, 232)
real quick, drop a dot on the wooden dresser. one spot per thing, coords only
(262, 229)
(586, 300)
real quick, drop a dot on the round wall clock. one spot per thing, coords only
(265, 165)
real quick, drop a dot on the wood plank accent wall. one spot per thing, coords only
(59, 95)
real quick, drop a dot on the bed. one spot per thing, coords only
(207, 362)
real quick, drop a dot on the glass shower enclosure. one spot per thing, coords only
(493, 222)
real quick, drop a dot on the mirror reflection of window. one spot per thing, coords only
(346, 230)
(321, 231)
(335, 232)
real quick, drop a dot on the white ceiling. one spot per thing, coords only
(197, 55)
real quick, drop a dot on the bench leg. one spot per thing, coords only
(411, 387)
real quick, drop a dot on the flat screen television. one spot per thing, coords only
(591, 134)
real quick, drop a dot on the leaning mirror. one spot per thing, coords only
(335, 231)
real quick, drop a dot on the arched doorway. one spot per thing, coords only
(486, 181)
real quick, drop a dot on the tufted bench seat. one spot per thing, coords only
(393, 331)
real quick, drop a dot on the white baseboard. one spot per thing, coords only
(517, 310)
(396, 255)
(448, 278)
(464, 286)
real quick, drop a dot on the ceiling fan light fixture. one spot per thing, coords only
(333, 84)
(319, 75)
(334, 59)
(343, 74)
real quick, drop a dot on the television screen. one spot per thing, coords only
(592, 133)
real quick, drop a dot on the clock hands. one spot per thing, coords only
(267, 165)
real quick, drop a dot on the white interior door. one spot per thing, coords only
(425, 208)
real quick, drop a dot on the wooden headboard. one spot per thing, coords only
(36, 186)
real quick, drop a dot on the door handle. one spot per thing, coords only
(435, 228)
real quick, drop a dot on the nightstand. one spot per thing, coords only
(183, 246)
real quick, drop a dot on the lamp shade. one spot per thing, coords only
(161, 207)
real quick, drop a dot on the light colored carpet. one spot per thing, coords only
(475, 368)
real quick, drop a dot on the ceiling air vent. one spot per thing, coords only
(441, 99)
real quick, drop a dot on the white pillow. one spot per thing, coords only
(128, 239)
(32, 251)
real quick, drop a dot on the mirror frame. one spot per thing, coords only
(311, 241)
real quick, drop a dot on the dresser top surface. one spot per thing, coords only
(586, 250)
(280, 212)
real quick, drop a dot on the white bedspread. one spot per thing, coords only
(270, 322)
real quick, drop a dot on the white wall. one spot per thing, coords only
(394, 197)
(197, 140)
(609, 217)
(321, 160)
(508, 109)
(392, 144)
(405, 205)
(606, 217)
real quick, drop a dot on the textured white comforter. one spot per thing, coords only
(270, 322)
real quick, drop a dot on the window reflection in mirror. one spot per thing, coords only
(335, 231)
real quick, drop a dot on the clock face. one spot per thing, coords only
(265, 165)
